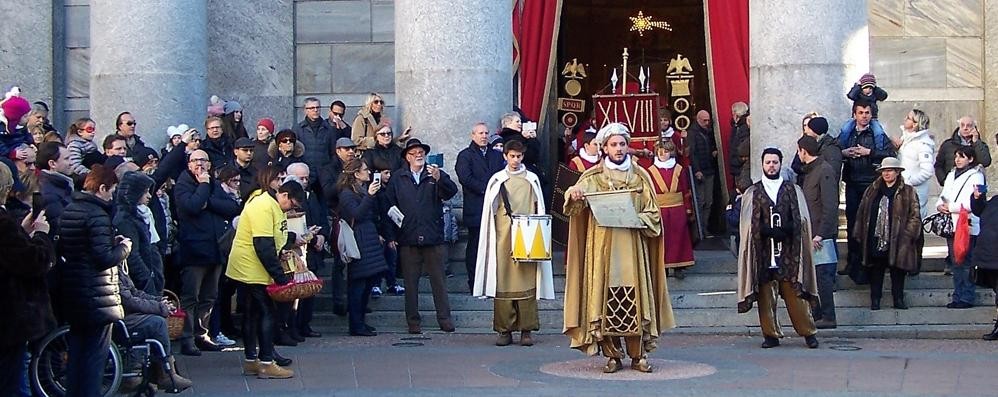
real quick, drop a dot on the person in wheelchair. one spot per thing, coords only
(145, 314)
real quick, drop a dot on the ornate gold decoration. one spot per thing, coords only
(679, 65)
(642, 23)
(680, 87)
(574, 70)
(573, 87)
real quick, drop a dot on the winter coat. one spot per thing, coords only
(739, 134)
(87, 289)
(136, 301)
(132, 146)
(260, 156)
(828, 150)
(144, 262)
(319, 144)
(364, 129)
(533, 154)
(947, 151)
(702, 146)
(328, 176)
(422, 206)
(863, 169)
(316, 214)
(281, 161)
(856, 95)
(958, 191)
(79, 148)
(905, 225)
(57, 193)
(23, 286)
(985, 255)
(382, 157)
(9, 141)
(360, 210)
(203, 214)
(916, 153)
(473, 171)
(821, 193)
(219, 151)
(247, 179)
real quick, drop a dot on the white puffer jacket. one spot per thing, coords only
(917, 154)
(957, 191)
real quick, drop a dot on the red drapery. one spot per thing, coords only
(728, 54)
(535, 37)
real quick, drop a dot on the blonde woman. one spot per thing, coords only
(371, 121)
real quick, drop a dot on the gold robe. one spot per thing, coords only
(603, 262)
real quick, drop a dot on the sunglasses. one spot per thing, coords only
(385, 134)
(287, 140)
(90, 129)
(130, 123)
(378, 101)
(337, 114)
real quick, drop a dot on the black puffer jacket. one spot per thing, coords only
(421, 204)
(23, 287)
(985, 254)
(88, 292)
(360, 210)
(144, 262)
(57, 193)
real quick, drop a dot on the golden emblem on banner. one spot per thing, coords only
(680, 74)
(642, 23)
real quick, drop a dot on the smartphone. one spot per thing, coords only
(37, 204)
(436, 159)
(982, 188)
(529, 126)
(377, 177)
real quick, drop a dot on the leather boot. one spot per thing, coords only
(170, 381)
(526, 339)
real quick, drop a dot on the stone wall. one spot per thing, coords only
(929, 54)
(344, 49)
(26, 48)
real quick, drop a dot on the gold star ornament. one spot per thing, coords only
(642, 23)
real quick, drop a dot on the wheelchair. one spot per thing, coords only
(50, 358)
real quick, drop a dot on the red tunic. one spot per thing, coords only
(579, 164)
(672, 192)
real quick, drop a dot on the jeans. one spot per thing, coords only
(258, 322)
(14, 372)
(471, 254)
(88, 353)
(963, 290)
(358, 296)
(826, 292)
(149, 326)
(854, 194)
(199, 288)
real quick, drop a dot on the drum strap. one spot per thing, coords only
(505, 201)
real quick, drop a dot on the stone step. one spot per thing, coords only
(937, 298)
(394, 321)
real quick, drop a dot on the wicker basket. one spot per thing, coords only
(294, 290)
(175, 321)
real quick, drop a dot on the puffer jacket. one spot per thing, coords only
(360, 210)
(23, 286)
(421, 204)
(79, 148)
(281, 161)
(917, 154)
(87, 289)
(57, 193)
(145, 262)
(319, 142)
(203, 214)
(382, 157)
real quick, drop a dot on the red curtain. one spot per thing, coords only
(535, 37)
(728, 54)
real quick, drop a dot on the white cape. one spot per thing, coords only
(485, 270)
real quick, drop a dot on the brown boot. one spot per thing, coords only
(525, 339)
(170, 382)
(251, 368)
(269, 370)
(504, 339)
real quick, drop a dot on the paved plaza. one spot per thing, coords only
(438, 364)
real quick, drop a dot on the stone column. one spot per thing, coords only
(148, 57)
(452, 68)
(251, 58)
(989, 127)
(802, 59)
(26, 49)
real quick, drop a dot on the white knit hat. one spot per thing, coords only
(611, 130)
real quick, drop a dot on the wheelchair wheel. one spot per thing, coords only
(50, 361)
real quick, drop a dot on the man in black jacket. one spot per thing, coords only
(54, 179)
(346, 150)
(475, 165)
(27, 257)
(318, 137)
(821, 194)
(203, 214)
(418, 191)
(703, 163)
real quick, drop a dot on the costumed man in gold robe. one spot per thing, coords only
(615, 277)
(515, 285)
(774, 255)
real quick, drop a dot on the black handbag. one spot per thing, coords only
(939, 224)
(983, 277)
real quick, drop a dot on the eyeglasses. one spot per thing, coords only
(287, 140)
(130, 123)
(384, 134)
(311, 108)
(378, 101)
(197, 161)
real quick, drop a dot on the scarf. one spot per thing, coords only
(667, 164)
(882, 227)
(314, 124)
(587, 157)
(147, 217)
(772, 187)
(623, 166)
(376, 116)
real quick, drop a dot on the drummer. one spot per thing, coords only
(511, 196)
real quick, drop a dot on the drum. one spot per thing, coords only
(531, 238)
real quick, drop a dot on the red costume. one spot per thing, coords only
(580, 164)
(672, 192)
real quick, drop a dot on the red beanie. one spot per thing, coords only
(14, 108)
(267, 123)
